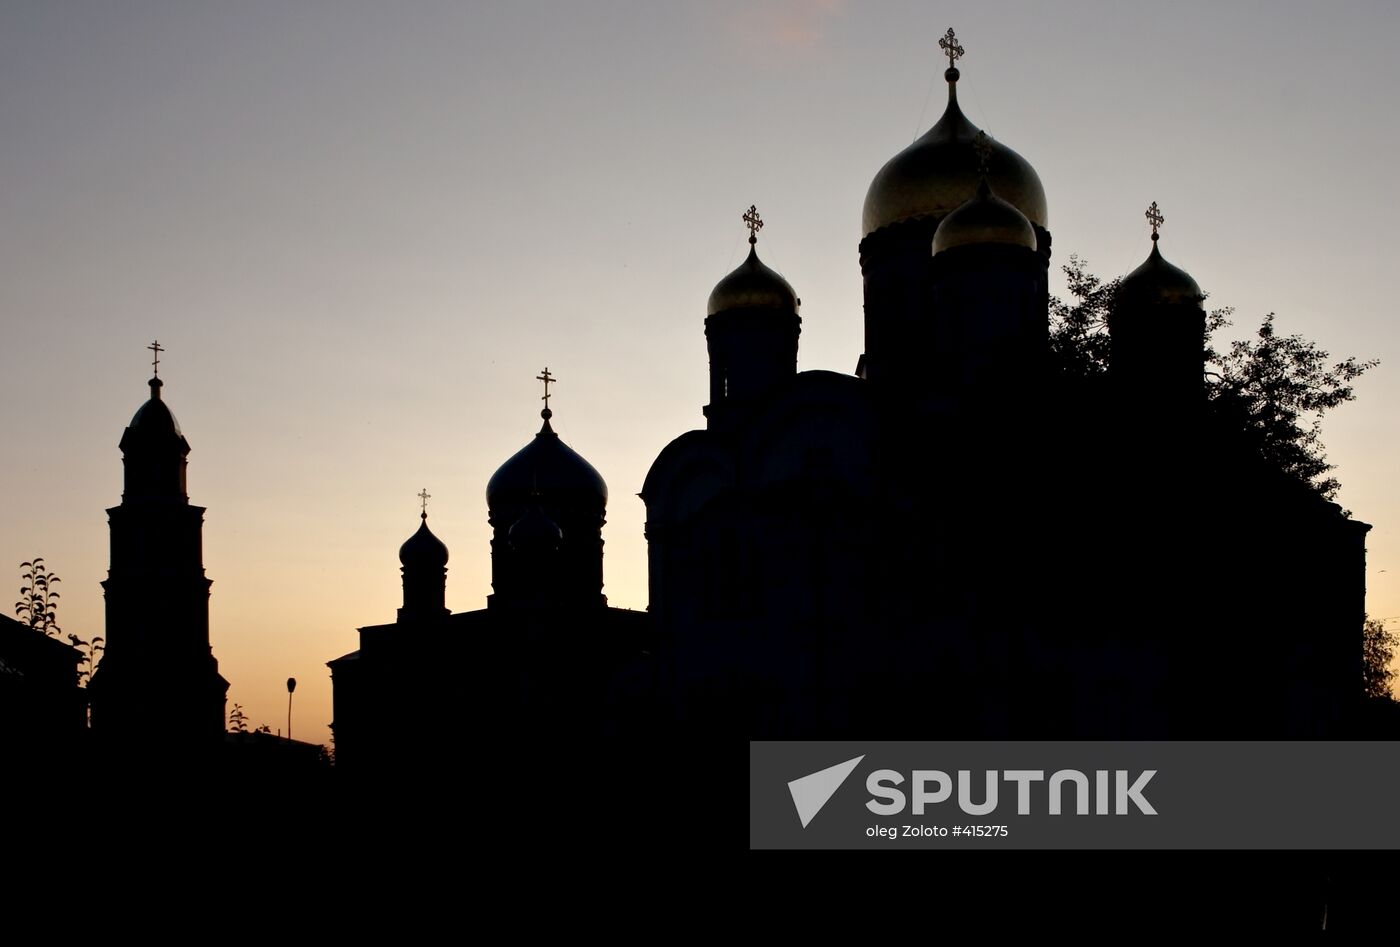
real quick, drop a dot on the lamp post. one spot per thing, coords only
(291, 686)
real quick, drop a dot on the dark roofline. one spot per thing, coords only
(37, 639)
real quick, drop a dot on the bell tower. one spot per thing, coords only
(158, 680)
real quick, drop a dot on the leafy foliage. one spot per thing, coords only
(1379, 646)
(1278, 387)
(92, 654)
(38, 602)
(237, 720)
(1282, 386)
(1079, 327)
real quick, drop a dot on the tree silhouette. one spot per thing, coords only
(1275, 387)
(38, 602)
(1280, 387)
(1079, 327)
(1379, 646)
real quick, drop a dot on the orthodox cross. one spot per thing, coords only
(1155, 218)
(753, 222)
(425, 496)
(982, 144)
(548, 379)
(155, 362)
(950, 47)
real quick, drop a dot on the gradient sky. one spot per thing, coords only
(361, 229)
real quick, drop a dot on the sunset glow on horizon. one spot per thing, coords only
(360, 232)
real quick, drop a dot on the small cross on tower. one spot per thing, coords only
(754, 222)
(950, 47)
(548, 380)
(424, 496)
(1155, 218)
(155, 361)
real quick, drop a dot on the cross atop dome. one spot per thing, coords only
(156, 349)
(548, 380)
(954, 51)
(754, 222)
(424, 496)
(950, 46)
(1155, 219)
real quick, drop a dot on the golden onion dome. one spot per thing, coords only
(1156, 280)
(940, 171)
(985, 219)
(753, 285)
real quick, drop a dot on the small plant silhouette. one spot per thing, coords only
(237, 720)
(38, 601)
(92, 654)
(38, 608)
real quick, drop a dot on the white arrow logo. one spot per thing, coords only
(810, 793)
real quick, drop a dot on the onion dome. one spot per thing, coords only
(547, 467)
(940, 172)
(153, 449)
(535, 532)
(986, 219)
(423, 550)
(1156, 280)
(753, 285)
(154, 417)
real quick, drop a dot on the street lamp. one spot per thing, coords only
(291, 686)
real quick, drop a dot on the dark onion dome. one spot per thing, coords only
(752, 286)
(1157, 281)
(535, 532)
(154, 417)
(548, 467)
(423, 550)
(940, 171)
(985, 219)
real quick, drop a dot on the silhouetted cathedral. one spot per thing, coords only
(546, 656)
(961, 540)
(159, 680)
